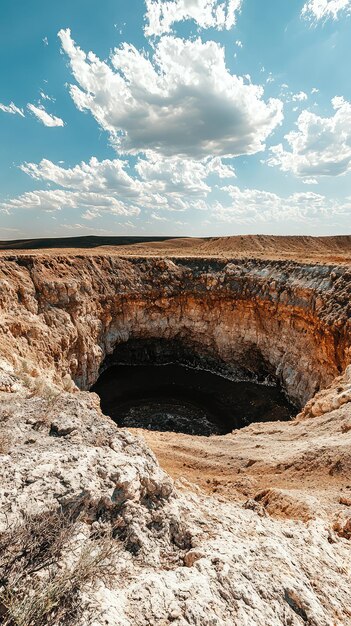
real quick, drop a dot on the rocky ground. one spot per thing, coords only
(248, 529)
(241, 555)
(297, 470)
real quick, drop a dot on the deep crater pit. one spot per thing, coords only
(165, 385)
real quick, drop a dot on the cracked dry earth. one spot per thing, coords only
(248, 529)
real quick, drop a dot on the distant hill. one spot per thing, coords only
(90, 241)
(336, 249)
(301, 248)
(279, 244)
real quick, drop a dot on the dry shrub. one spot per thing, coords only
(4, 443)
(42, 576)
(43, 388)
(346, 427)
(36, 383)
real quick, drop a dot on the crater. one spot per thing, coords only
(163, 385)
(195, 345)
(281, 325)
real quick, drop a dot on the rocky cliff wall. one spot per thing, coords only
(62, 316)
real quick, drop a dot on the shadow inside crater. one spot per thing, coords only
(166, 386)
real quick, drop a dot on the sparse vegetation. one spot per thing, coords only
(43, 570)
(39, 385)
(4, 443)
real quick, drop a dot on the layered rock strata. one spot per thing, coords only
(63, 316)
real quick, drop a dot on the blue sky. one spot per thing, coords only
(186, 117)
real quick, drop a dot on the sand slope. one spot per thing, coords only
(335, 249)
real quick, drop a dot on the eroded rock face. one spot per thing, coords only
(65, 315)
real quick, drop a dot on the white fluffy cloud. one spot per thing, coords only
(44, 96)
(182, 102)
(167, 183)
(310, 181)
(94, 176)
(57, 199)
(178, 184)
(324, 9)
(181, 175)
(160, 15)
(299, 97)
(321, 146)
(11, 108)
(250, 206)
(43, 116)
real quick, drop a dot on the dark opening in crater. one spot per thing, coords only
(163, 385)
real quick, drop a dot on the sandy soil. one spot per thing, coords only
(303, 249)
(297, 469)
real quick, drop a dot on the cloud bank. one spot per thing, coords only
(158, 183)
(254, 206)
(316, 10)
